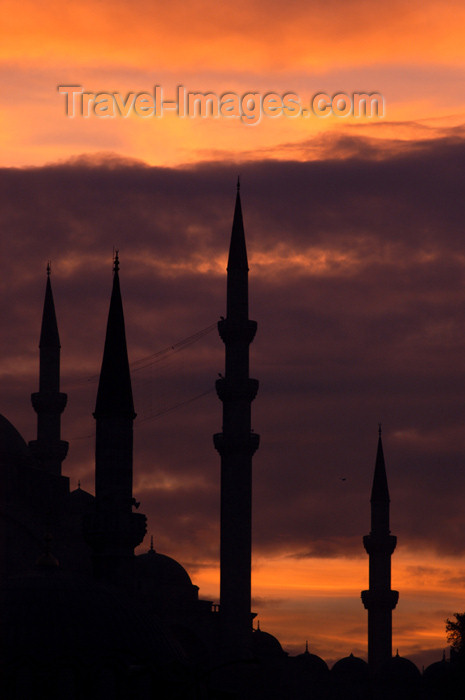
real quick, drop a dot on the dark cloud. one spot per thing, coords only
(357, 283)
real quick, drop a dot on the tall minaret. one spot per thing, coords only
(380, 600)
(115, 530)
(236, 445)
(49, 402)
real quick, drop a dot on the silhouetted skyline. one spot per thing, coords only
(355, 239)
(360, 321)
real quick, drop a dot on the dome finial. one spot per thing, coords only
(258, 626)
(151, 543)
(306, 647)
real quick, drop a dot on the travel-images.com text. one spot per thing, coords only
(248, 107)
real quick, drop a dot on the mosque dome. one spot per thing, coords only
(80, 506)
(81, 498)
(264, 645)
(13, 449)
(399, 670)
(438, 672)
(444, 678)
(81, 503)
(162, 584)
(310, 664)
(161, 570)
(351, 668)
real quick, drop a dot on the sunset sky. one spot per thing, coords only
(357, 281)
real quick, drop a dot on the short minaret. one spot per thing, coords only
(115, 530)
(236, 445)
(49, 402)
(380, 600)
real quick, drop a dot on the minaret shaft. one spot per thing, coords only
(113, 463)
(49, 403)
(236, 445)
(237, 294)
(379, 600)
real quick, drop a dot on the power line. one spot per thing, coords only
(149, 361)
(154, 358)
(174, 407)
(154, 416)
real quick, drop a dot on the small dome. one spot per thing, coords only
(398, 670)
(81, 500)
(351, 668)
(310, 664)
(162, 570)
(437, 672)
(264, 645)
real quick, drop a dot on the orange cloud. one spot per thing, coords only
(261, 46)
(205, 34)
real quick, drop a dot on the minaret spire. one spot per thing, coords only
(379, 600)
(236, 445)
(237, 305)
(114, 395)
(116, 530)
(49, 403)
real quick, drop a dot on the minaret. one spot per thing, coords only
(49, 402)
(115, 530)
(379, 600)
(236, 445)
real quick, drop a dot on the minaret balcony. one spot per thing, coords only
(45, 452)
(229, 445)
(386, 600)
(245, 390)
(232, 331)
(380, 544)
(110, 532)
(49, 402)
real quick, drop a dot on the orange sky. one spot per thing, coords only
(412, 53)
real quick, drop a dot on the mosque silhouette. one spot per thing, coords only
(82, 617)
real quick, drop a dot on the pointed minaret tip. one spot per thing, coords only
(380, 491)
(238, 183)
(237, 259)
(116, 260)
(114, 395)
(49, 336)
